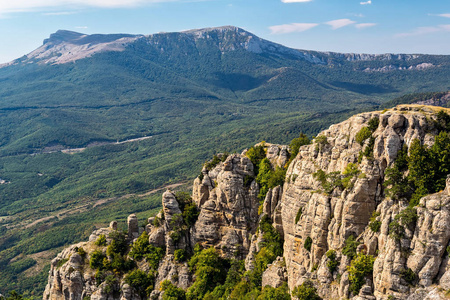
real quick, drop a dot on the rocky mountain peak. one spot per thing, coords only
(63, 36)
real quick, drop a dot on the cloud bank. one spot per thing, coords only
(293, 27)
(336, 24)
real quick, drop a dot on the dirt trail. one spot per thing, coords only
(78, 150)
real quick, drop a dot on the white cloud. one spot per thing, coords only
(444, 15)
(293, 27)
(81, 27)
(30, 5)
(425, 30)
(365, 25)
(295, 1)
(366, 2)
(336, 24)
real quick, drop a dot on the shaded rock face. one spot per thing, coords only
(227, 197)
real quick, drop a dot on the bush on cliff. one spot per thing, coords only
(210, 271)
(172, 292)
(359, 268)
(306, 291)
(141, 282)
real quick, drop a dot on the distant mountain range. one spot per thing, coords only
(194, 92)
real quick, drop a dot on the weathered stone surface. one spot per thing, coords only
(229, 216)
(113, 225)
(276, 274)
(133, 227)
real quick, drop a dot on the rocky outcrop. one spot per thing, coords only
(330, 218)
(228, 203)
(276, 274)
(333, 191)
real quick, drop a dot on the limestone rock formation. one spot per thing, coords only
(332, 209)
(228, 203)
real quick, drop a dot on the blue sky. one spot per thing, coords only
(363, 26)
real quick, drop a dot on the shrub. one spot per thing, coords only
(81, 252)
(183, 199)
(374, 224)
(111, 285)
(408, 216)
(396, 231)
(308, 243)
(320, 141)
(62, 262)
(396, 183)
(154, 256)
(140, 247)
(141, 282)
(350, 246)
(212, 163)
(368, 150)
(210, 270)
(180, 255)
(329, 181)
(270, 293)
(306, 291)
(359, 268)
(332, 263)
(268, 178)
(296, 143)
(101, 240)
(96, 261)
(172, 292)
(362, 135)
(408, 275)
(156, 222)
(118, 263)
(351, 170)
(299, 214)
(190, 214)
(248, 180)
(118, 243)
(256, 154)
(373, 124)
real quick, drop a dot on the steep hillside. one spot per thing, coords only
(362, 214)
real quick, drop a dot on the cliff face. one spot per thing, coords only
(334, 192)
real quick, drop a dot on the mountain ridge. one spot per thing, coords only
(88, 46)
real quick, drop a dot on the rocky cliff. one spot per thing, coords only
(350, 228)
